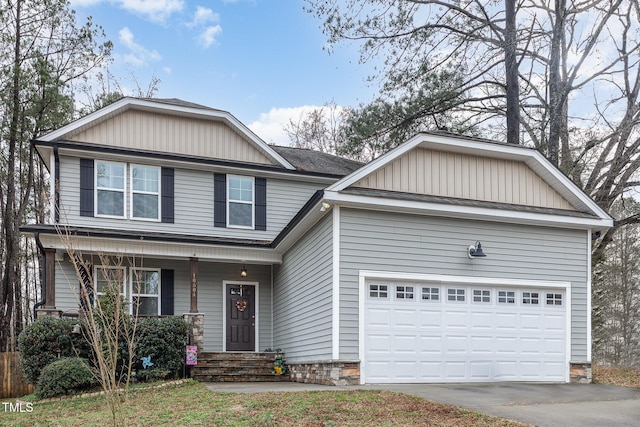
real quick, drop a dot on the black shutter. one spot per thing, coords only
(261, 204)
(86, 187)
(219, 200)
(166, 292)
(166, 202)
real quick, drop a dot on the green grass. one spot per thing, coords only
(193, 404)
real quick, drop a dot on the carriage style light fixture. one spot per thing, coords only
(475, 251)
(243, 272)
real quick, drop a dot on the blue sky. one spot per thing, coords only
(261, 60)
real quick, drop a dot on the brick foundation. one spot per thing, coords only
(326, 372)
(580, 373)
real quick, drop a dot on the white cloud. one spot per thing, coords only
(269, 126)
(138, 55)
(208, 36)
(155, 10)
(203, 16)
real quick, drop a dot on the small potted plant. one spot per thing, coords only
(278, 363)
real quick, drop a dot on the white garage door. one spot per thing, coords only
(448, 333)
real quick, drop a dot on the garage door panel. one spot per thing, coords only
(415, 340)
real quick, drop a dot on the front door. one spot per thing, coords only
(241, 317)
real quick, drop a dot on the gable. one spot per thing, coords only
(161, 132)
(464, 176)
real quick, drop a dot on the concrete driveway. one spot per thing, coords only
(557, 405)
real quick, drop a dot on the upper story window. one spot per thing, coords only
(240, 201)
(110, 189)
(145, 192)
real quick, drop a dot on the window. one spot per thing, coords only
(506, 297)
(145, 192)
(240, 201)
(431, 294)
(109, 278)
(455, 295)
(531, 298)
(481, 295)
(554, 299)
(110, 185)
(145, 291)
(404, 292)
(378, 291)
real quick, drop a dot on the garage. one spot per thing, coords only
(464, 331)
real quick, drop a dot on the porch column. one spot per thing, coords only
(49, 272)
(194, 285)
(50, 278)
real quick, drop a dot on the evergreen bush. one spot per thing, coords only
(65, 376)
(45, 341)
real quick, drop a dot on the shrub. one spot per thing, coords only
(164, 340)
(65, 376)
(46, 340)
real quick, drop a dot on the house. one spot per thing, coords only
(360, 273)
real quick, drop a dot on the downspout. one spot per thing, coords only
(43, 276)
(56, 184)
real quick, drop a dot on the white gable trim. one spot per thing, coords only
(150, 105)
(466, 212)
(532, 158)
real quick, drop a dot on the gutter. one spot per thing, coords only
(43, 276)
(56, 184)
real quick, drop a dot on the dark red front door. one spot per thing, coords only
(241, 317)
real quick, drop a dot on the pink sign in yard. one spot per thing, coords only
(192, 355)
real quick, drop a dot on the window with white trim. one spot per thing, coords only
(240, 198)
(145, 291)
(506, 297)
(530, 298)
(481, 295)
(109, 278)
(404, 292)
(145, 192)
(457, 295)
(554, 299)
(378, 291)
(430, 294)
(110, 188)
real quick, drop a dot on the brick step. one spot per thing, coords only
(236, 356)
(241, 378)
(233, 371)
(234, 363)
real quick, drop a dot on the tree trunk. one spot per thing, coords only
(511, 69)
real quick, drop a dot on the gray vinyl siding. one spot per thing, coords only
(210, 294)
(193, 204)
(302, 297)
(383, 241)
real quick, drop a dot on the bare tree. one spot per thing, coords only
(108, 326)
(42, 53)
(318, 129)
(616, 288)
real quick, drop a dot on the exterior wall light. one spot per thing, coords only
(243, 272)
(475, 251)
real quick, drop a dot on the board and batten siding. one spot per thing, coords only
(465, 176)
(210, 294)
(143, 130)
(384, 241)
(193, 204)
(302, 298)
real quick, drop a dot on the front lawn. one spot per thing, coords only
(193, 404)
